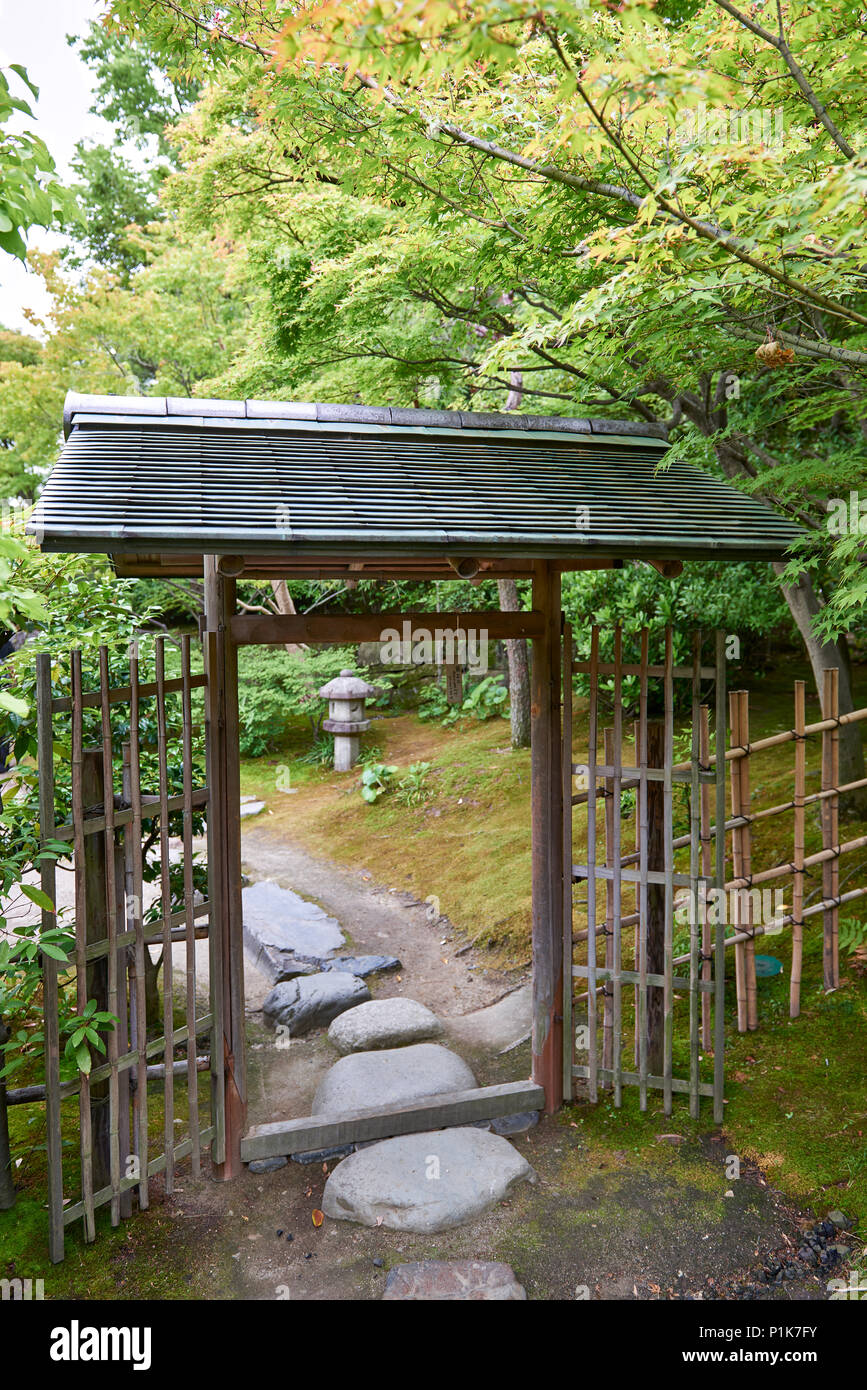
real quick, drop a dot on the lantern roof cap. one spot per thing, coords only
(347, 686)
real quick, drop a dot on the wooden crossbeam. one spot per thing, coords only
(315, 1132)
(274, 629)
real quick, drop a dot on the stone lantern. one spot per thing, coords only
(346, 695)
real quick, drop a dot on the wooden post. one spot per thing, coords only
(608, 990)
(655, 949)
(224, 854)
(7, 1186)
(96, 918)
(706, 866)
(831, 828)
(743, 767)
(737, 855)
(547, 840)
(798, 851)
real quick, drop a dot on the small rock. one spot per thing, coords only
(266, 1165)
(518, 1123)
(670, 1139)
(383, 1023)
(379, 1263)
(323, 1155)
(453, 1280)
(840, 1220)
(252, 808)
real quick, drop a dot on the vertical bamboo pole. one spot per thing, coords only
(642, 825)
(592, 743)
(166, 908)
(568, 1079)
(615, 985)
(719, 965)
(110, 889)
(135, 910)
(831, 828)
(798, 852)
(704, 758)
(696, 912)
(77, 804)
(668, 996)
(607, 990)
(50, 990)
(189, 919)
(547, 832)
(737, 856)
(743, 765)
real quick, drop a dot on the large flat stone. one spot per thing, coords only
(384, 1023)
(425, 1182)
(313, 1001)
(285, 935)
(396, 1076)
(453, 1281)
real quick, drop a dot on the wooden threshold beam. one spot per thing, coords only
(315, 1132)
(251, 629)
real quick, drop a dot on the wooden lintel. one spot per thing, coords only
(181, 565)
(315, 1132)
(265, 630)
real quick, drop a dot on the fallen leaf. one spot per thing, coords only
(318, 1217)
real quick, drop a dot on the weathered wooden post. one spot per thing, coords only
(96, 918)
(224, 861)
(655, 900)
(547, 840)
(7, 1186)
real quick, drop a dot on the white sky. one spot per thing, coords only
(33, 32)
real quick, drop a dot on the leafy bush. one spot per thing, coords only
(375, 780)
(277, 686)
(489, 698)
(412, 789)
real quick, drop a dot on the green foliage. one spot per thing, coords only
(376, 779)
(852, 934)
(488, 699)
(29, 193)
(412, 789)
(277, 686)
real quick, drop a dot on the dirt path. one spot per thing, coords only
(605, 1221)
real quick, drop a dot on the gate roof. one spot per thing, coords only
(158, 482)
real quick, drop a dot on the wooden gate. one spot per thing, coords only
(118, 768)
(625, 1027)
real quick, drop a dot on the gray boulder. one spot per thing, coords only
(425, 1182)
(396, 1076)
(384, 1023)
(312, 1001)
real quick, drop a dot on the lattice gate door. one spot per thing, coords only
(118, 771)
(643, 1002)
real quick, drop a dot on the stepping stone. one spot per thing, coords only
(515, 1124)
(425, 1182)
(363, 965)
(313, 1001)
(251, 808)
(453, 1281)
(285, 935)
(266, 1165)
(383, 1023)
(396, 1076)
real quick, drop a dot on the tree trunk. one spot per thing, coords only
(284, 604)
(7, 1187)
(804, 604)
(153, 1005)
(519, 669)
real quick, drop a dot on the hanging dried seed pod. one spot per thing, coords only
(774, 354)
